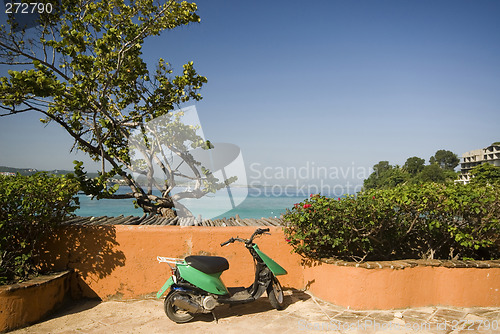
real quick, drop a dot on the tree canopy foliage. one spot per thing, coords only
(414, 165)
(82, 67)
(485, 174)
(414, 170)
(447, 160)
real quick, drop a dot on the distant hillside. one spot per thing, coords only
(22, 171)
(30, 171)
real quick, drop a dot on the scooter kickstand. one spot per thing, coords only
(215, 317)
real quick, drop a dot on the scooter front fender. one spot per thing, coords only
(275, 268)
(165, 287)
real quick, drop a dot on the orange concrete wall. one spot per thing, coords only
(28, 302)
(363, 289)
(120, 262)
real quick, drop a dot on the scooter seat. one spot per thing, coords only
(208, 264)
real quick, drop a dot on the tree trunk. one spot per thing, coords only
(167, 213)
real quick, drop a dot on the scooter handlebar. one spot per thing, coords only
(227, 242)
(257, 232)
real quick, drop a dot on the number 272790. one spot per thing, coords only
(28, 8)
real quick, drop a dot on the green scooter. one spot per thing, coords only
(196, 287)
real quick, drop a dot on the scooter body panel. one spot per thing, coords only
(208, 282)
(165, 287)
(275, 268)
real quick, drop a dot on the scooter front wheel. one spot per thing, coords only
(275, 294)
(174, 313)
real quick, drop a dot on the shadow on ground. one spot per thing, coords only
(261, 305)
(75, 306)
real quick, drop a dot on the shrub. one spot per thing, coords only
(485, 174)
(30, 207)
(429, 220)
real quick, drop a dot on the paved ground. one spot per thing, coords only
(303, 314)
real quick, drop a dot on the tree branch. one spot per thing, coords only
(51, 66)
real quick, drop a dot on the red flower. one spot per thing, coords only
(287, 240)
(328, 209)
(311, 195)
(339, 198)
(373, 197)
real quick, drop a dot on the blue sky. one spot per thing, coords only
(334, 83)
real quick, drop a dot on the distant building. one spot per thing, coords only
(471, 159)
(8, 173)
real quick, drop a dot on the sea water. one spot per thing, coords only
(251, 203)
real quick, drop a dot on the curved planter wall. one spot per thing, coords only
(28, 302)
(390, 285)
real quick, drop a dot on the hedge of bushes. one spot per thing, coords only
(430, 221)
(30, 206)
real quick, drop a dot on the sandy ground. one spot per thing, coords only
(303, 314)
(147, 316)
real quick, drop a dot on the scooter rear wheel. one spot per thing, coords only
(174, 313)
(275, 294)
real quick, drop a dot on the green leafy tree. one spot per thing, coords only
(382, 167)
(82, 68)
(396, 176)
(385, 175)
(414, 170)
(414, 165)
(445, 159)
(432, 173)
(378, 178)
(485, 174)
